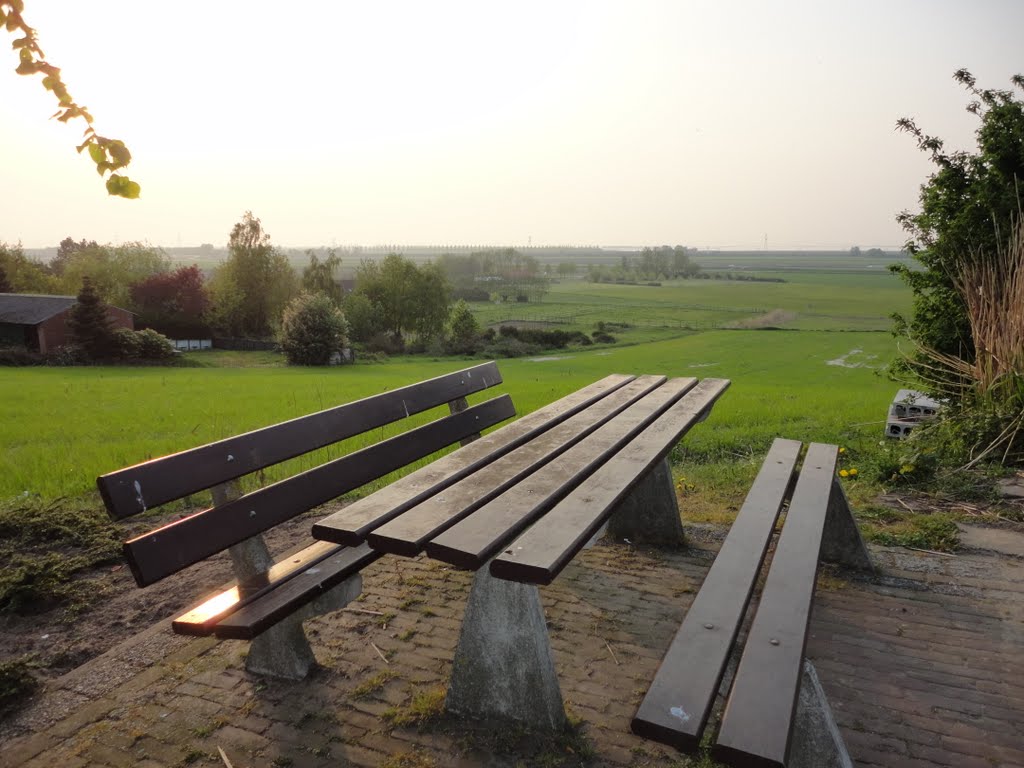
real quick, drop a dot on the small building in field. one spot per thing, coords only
(39, 322)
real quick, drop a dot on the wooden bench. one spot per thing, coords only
(270, 600)
(761, 715)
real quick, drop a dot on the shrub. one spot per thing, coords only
(510, 347)
(154, 345)
(464, 330)
(19, 356)
(16, 684)
(125, 344)
(312, 329)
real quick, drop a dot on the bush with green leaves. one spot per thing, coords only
(312, 329)
(125, 344)
(967, 206)
(89, 324)
(464, 330)
(154, 345)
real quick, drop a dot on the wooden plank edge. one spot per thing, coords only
(506, 568)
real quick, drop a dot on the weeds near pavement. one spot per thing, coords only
(45, 546)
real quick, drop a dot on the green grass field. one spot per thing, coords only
(64, 426)
(808, 300)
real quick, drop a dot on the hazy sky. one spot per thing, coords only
(711, 124)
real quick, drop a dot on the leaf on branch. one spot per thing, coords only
(122, 186)
(97, 153)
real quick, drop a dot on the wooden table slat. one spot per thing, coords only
(476, 538)
(540, 553)
(406, 534)
(676, 707)
(352, 524)
(758, 718)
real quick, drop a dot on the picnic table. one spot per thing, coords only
(516, 505)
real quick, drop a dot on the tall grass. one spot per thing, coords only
(987, 393)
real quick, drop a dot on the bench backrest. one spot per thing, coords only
(135, 489)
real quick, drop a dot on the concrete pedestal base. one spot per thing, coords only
(650, 513)
(841, 541)
(503, 667)
(817, 742)
(283, 650)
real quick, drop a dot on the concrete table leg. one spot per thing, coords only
(503, 666)
(650, 513)
(817, 742)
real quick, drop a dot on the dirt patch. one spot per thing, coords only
(57, 640)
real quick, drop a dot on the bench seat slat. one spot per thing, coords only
(201, 619)
(265, 611)
(677, 705)
(177, 545)
(476, 538)
(132, 490)
(406, 535)
(758, 719)
(541, 553)
(352, 524)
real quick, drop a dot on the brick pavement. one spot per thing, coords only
(922, 665)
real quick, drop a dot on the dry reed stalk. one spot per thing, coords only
(992, 288)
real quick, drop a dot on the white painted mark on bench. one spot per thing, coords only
(406, 407)
(138, 496)
(679, 713)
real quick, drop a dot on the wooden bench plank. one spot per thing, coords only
(178, 545)
(541, 553)
(201, 619)
(677, 705)
(406, 535)
(352, 524)
(758, 718)
(476, 538)
(132, 490)
(263, 612)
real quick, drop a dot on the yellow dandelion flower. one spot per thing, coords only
(853, 471)
(843, 473)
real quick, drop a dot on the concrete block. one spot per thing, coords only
(503, 666)
(650, 513)
(816, 741)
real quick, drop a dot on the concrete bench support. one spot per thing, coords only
(650, 513)
(817, 742)
(841, 541)
(503, 666)
(283, 650)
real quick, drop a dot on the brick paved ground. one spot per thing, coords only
(923, 667)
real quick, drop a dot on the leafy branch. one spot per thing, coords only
(109, 155)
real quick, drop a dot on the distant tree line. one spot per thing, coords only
(650, 265)
(498, 274)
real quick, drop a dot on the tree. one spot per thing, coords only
(23, 274)
(312, 329)
(966, 211)
(251, 288)
(113, 269)
(173, 303)
(319, 275)
(66, 251)
(108, 154)
(89, 323)
(406, 298)
(5, 284)
(464, 329)
(363, 320)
